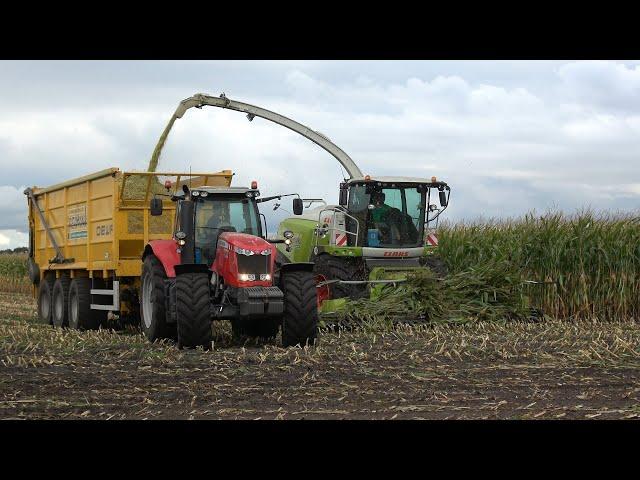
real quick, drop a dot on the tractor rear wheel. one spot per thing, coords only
(337, 268)
(80, 315)
(45, 299)
(60, 299)
(152, 309)
(300, 319)
(193, 310)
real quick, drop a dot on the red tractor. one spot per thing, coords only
(219, 266)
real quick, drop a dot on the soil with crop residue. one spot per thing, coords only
(542, 370)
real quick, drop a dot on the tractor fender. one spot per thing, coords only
(165, 251)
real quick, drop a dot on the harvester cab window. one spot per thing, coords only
(396, 217)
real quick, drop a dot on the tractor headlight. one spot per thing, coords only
(181, 242)
(247, 277)
(204, 194)
(287, 241)
(265, 277)
(195, 193)
(243, 251)
(266, 251)
(181, 235)
(287, 234)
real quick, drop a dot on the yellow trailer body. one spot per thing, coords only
(98, 225)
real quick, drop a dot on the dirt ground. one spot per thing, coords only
(545, 370)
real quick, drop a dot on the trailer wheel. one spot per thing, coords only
(60, 301)
(152, 310)
(193, 310)
(45, 299)
(336, 268)
(80, 315)
(300, 319)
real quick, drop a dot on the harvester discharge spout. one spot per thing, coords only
(200, 99)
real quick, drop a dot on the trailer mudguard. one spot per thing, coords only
(166, 252)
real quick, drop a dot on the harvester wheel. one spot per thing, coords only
(60, 299)
(192, 310)
(80, 315)
(435, 264)
(152, 310)
(300, 319)
(45, 299)
(335, 268)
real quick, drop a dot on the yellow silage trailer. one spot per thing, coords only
(87, 237)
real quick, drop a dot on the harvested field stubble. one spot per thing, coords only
(550, 369)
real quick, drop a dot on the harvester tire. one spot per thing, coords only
(193, 310)
(45, 299)
(435, 264)
(153, 320)
(80, 315)
(300, 319)
(336, 268)
(60, 302)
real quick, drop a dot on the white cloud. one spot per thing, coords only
(507, 136)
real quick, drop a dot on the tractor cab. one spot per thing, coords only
(222, 210)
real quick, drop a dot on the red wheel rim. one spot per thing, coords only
(323, 292)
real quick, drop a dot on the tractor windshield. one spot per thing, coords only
(392, 215)
(216, 214)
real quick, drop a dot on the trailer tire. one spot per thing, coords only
(336, 268)
(153, 318)
(193, 310)
(80, 316)
(60, 302)
(300, 319)
(45, 299)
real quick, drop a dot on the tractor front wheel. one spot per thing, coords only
(193, 311)
(300, 319)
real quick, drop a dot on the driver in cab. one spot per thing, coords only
(384, 217)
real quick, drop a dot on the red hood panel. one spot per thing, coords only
(246, 241)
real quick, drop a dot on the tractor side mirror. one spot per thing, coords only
(155, 205)
(443, 198)
(343, 194)
(298, 207)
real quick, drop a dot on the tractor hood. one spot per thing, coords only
(244, 260)
(245, 244)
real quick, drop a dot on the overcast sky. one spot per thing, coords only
(508, 136)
